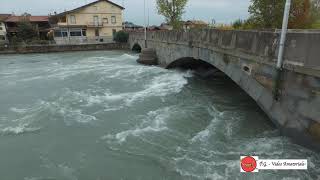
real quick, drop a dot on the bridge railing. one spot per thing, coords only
(302, 47)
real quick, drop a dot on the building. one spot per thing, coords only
(194, 24)
(3, 31)
(166, 26)
(95, 22)
(129, 26)
(40, 23)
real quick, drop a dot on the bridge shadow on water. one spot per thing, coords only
(208, 74)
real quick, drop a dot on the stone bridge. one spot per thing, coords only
(249, 59)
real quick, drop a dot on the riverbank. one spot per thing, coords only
(62, 48)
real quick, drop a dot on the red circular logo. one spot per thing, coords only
(248, 164)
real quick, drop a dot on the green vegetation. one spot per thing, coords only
(238, 24)
(268, 14)
(121, 37)
(26, 31)
(172, 10)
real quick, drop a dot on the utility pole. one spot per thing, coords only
(281, 49)
(283, 33)
(145, 25)
(124, 23)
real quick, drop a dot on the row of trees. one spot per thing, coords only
(264, 14)
(269, 13)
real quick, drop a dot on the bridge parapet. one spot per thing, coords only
(301, 50)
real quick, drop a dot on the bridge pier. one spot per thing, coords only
(148, 56)
(249, 59)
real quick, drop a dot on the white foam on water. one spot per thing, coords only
(20, 111)
(27, 117)
(201, 169)
(154, 122)
(128, 56)
(75, 115)
(63, 71)
(159, 86)
(201, 136)
(205, 134)
(21, 129)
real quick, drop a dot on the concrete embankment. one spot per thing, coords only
(62, 48)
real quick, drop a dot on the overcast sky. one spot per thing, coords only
(223, 11)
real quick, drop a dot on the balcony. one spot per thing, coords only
(62, 24)
(95, 24)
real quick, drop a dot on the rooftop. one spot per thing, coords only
(30, 18)
(3, 17)
(81, 7)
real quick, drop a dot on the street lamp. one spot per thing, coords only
(283, 33)
(281, 50)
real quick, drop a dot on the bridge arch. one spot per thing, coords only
(189, 63)
(136, 48)
(201, 67)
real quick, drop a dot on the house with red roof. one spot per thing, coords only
(40, 23)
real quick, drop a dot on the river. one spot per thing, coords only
(101, 116)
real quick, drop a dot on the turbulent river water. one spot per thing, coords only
(101, 116)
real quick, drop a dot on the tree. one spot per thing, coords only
(269, 13)
(315, 10)
(172, 10)
(26, 31)
(238, 24)
(121, 37)
(300, 15)
(266, 13)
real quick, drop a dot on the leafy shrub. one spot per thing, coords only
(26, 31)
(238, 24)
(14, 40)
(121, 37)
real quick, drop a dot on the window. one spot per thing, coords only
(105, 20)
(72, 19)
(1, 27)
(2, 38)
(61, 33)
(57, 33)
(96, 32)
(64, 33)
(75, 32)
(113, 20)
(63, 19)
(96, 20)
